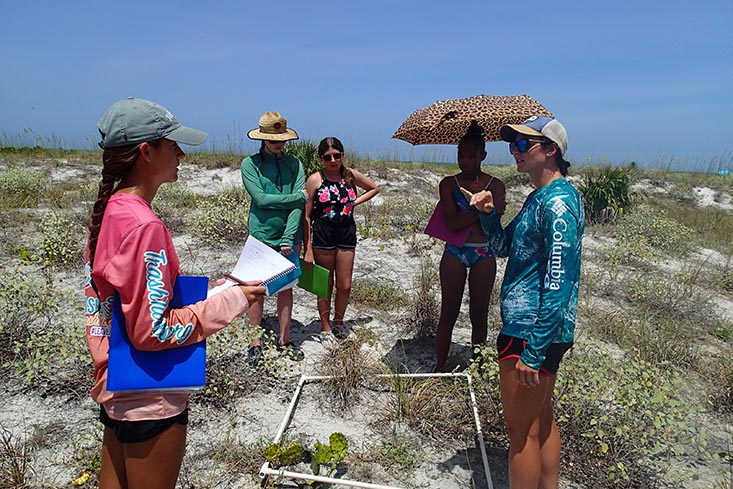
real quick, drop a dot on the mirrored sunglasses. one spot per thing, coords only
(523, 145)
(335, 157)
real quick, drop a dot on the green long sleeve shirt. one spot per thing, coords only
(275, 186)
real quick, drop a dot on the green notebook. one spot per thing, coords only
(314, 280)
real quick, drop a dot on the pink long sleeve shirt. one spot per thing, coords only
(135, 256)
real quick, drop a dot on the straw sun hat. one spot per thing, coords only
(272, 127)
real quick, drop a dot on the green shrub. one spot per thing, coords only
(621, 421)
(372, 293)
(671, 300)
(27, 304)
(21, 187)
(396, 217)
(221, 218)
(608, 195)
(657, 341)
(307, 152)
(173, 203)
(35, 344)
(648, 233)
(63, 241)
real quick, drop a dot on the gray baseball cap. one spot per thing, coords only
(537, 125)
(135, 120)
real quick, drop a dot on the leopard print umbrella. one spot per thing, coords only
(446, 121)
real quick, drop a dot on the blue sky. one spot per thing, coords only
(647, 81)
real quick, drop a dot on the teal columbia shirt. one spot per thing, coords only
(276, 187)
(539, 295)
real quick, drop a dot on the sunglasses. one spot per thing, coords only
(523, 145)
(274, 142)
(335, 157)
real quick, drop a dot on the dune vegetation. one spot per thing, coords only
(645, 399)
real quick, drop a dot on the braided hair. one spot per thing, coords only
(116, 163)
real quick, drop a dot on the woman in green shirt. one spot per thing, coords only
(275, 182)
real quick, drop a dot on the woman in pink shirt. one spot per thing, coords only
(131, 252)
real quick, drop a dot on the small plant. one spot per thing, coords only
(350, 368)
(425, 306)
(173, 203)
(226, 354)
(281, 456)
(62, 241)
(15, 454)
(608, 195)
(27, 304)
(438, 408)
(373, 293)
(330, 454)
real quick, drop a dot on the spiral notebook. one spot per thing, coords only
(260, 263)
(183, 369)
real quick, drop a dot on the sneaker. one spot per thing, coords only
(327, 337)
(254, 354)
(295, 352)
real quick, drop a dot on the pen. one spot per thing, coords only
(235, 279)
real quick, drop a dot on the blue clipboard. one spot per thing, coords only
(182, 369)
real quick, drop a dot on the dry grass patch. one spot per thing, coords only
(350, 367)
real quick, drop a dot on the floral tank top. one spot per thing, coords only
(334, 201)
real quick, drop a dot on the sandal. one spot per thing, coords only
(254, 354)
(327, 337)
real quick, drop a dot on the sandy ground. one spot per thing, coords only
(70, 428)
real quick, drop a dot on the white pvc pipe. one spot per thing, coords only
(480, 433)
(265, 470)
(318, 478)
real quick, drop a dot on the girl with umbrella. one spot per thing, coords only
(474, 259)
(539, 295)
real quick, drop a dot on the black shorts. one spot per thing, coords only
(327, 236)
(137, 431)
(511, 347)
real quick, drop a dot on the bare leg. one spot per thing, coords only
(155, 463)
(284, 314)
(550, 446)
(344, 272)
(480, 284)
(254, 313)
(452, 283)
(112, 475)
(326, 259)
(523, 410)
